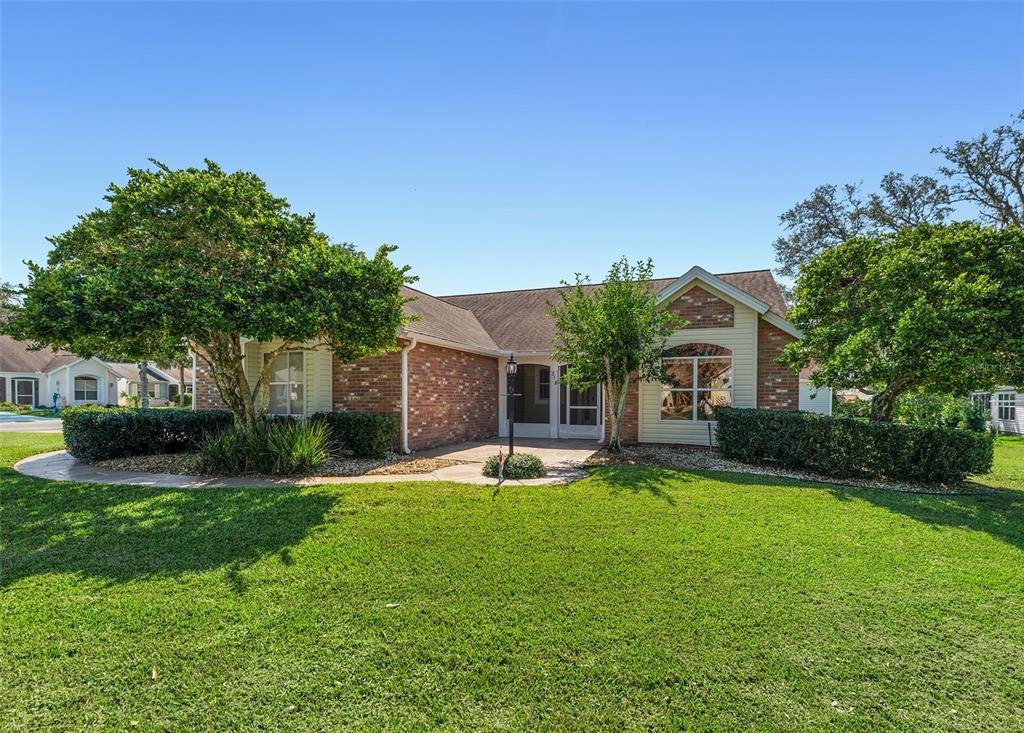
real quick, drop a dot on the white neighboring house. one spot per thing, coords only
(1005, 408)
(814, 399)
(33, 378)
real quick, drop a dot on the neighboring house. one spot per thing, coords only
(814, 399)
(1005, 408)
(163, 384)
(447, 383)
(32, 378)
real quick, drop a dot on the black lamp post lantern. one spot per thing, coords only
(510, 371)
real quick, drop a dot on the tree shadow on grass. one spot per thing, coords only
(646, 479)
(123, 533)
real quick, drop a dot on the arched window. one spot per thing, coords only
(698, 378)
(86, 389)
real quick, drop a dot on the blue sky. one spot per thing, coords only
(501, 145)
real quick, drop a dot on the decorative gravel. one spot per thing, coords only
(671, 456)
(188, 464)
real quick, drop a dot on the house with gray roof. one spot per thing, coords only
(446, 381)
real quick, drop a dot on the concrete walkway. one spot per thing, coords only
(562, 458)
(13, 422)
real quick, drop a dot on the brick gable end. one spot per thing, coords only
(702, 309)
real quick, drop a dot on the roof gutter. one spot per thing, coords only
(457, 345)
(405, 394)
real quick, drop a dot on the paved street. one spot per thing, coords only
(12, 422)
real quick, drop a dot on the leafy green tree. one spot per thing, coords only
(611, 334)
(985, 172)
(210, 259)
(935, 307)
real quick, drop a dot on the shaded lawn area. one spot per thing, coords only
(636, 599)
(1008, 466)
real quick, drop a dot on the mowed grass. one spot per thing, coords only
(633, 600)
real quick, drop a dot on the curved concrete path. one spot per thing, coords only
(562, 459)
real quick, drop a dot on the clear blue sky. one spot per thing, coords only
(502, 145)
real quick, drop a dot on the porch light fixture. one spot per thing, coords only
(510, 371)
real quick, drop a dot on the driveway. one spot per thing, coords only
(12, 422)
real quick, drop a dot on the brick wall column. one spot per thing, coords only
(778, 386)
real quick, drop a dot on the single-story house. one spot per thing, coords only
(32, 378)
(447, 383)
(1005, 408)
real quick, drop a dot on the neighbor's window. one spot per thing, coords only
(157, 390)
(543, 384)
(982, 401)
(286, 384)
(1007, 405)
(699, 379)
(86, 389)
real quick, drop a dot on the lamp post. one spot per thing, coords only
(510, 371)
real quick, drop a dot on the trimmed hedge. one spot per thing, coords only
(842, 447)
(96, 433)
(366, 434)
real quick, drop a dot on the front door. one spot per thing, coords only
(579, 412)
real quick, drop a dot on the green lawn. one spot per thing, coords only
(636, 599)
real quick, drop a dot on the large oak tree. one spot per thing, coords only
(211, 259)
(933, 307)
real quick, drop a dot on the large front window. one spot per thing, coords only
(1007, 405)
(86, 389)
(698, 378)
(286, 384)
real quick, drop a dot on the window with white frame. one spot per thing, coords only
(698, 378)
(86, 389)
(982, 401)
(543, 384)
(287, 384)
(157, 390)
(1006, 404)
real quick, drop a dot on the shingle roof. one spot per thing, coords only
(15, 356)
(518, 320)
(441, 320)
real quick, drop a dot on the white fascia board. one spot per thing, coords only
(699, 273)
(782, 324)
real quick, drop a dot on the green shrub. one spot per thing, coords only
(852, 409)
(271, 446)
(938, 411)
(95, 433)
(843, 447)
(366, 434)
(11, 407)
(517, 466)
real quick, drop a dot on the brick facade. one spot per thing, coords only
(373, 384)
(453, 396)
(701, 309)
(778, 386)
(206, 396)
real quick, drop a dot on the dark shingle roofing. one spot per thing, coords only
(518, 320)
(446, 321)
(15, 356)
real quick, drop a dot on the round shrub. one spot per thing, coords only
(517, 466)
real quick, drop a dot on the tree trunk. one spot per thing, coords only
(144, 383)
(883, 403)
(616, 393)
(181, 385)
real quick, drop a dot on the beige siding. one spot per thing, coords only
(316, 368)
(742, 340)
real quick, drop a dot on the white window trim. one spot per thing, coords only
(694, 390)
(14, 381)
(536, 390)
(74, 388)
(570, 406)
(1006, 401)
(291, 382)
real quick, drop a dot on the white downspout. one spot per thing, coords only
(405, 395)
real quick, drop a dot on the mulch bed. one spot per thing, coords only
(689, 457)
(188, 464)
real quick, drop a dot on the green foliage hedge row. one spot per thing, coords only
(841, 447)
(96, 433)
(517, 466)
(271, 446)
(366, 434)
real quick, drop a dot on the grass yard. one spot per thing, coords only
(636, 599)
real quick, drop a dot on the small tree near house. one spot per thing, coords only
(209, 259)
(612, 334)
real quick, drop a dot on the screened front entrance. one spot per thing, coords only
(24, 392)
(547, 408)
